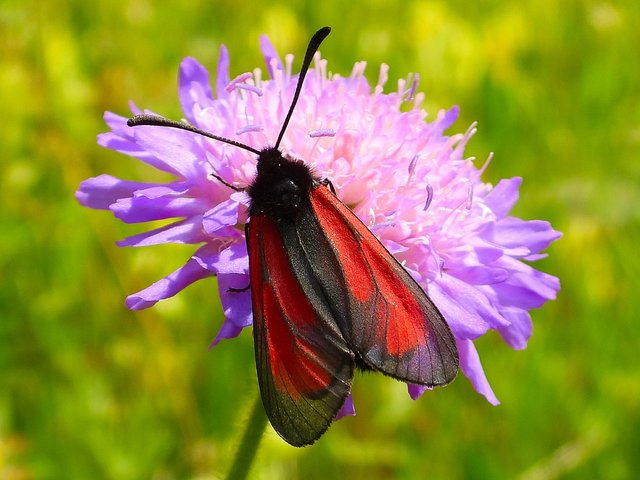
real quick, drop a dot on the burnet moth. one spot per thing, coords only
(327, 296)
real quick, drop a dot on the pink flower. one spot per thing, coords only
(400, 174)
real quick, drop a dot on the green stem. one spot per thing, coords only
(248, 448)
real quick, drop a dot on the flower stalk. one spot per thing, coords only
(248, 448)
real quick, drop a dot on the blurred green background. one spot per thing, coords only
(91, 390)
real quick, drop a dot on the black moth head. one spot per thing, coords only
(281, 186)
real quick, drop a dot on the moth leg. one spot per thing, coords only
(224, 182)
(239, 290)
(327, 183)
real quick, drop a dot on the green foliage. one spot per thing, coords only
(91, 390)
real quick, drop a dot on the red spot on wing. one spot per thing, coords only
(403, 327)
(341, 235)
(296, 365)
(373, 276)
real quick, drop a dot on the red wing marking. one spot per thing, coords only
(371, 276)
(391, 324)
(289, 320)
(304, 368)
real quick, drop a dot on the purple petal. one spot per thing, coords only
(185, 231)
(232, 260)
(124, 144)
(270, 54)
(241, 197)
(472, 368)
(222, 215)
(194, 88)
(415, 391)
(472, 300)
(228, 330)
(134, 109)
(158, 203)
(114, 121)
(526, 287)
(222, 77)
(176, 149)
(535, 256)
(463, 324)
(449, 117)
(394, 247)
(175, 189)
(168, 286)
(347, 408)
(517, 334)
(488, 254)
(236, 305)
(122, 139)
(503, 196)
(101, 191)
(479, 274)
(518, 296)
(511, 232)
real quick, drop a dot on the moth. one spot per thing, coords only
(327, 297)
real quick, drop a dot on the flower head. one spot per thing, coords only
(406, 180)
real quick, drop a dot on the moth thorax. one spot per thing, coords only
(281, 187)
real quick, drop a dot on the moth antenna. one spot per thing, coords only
(312, 48)
(160, 121)
(157, 120)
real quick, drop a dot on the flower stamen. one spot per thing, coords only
(382, 225)
(250, 128)
(437, 259)
(412, 90)
(486, 164)
(412, 167)
(469, 196)
(322, 132)
(250, 88)
(382, 78)
(239, 79)
(429, 197)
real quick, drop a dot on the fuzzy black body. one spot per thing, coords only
(281, 187)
